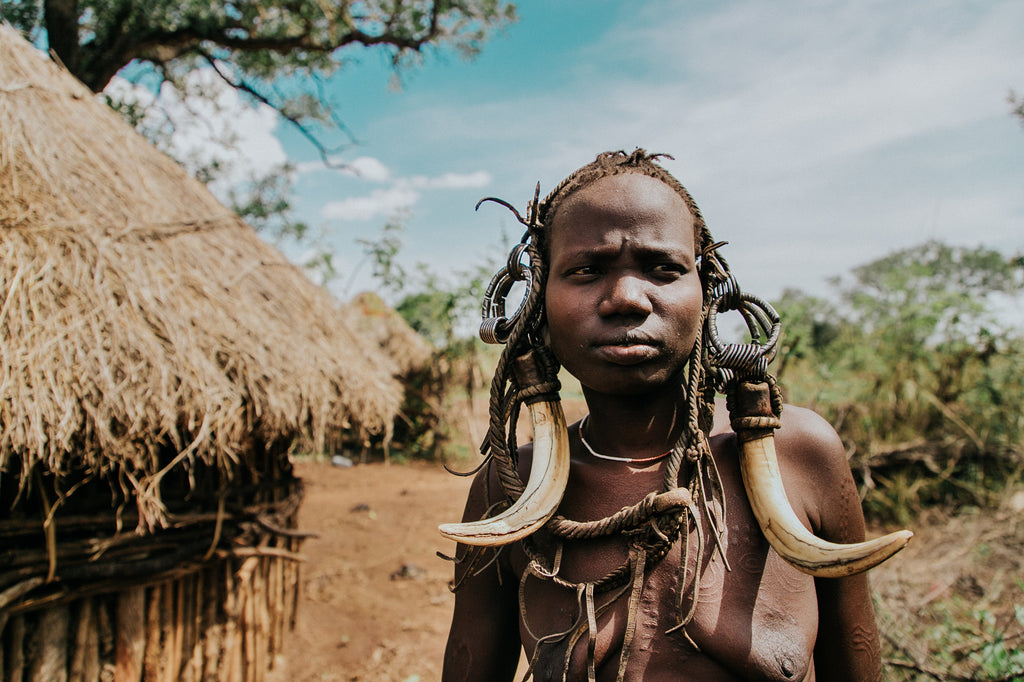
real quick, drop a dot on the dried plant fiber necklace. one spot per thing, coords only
(612, 458)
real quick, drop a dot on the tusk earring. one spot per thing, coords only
(779, 523)
(543, 493)
(549, 475)
(788, 536)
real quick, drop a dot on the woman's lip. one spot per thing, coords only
(627, 353)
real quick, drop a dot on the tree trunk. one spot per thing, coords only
(62, 29)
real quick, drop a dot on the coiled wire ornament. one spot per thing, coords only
(496, 326)
(741, 361)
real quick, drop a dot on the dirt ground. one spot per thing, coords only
(374, 602)
(375, 605)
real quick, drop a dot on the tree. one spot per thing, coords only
(445, 310)
(277, 52)
(921, 371)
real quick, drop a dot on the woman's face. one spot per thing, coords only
(623, 295)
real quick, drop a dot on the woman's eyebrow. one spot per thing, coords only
(610, 251)
(664, 251)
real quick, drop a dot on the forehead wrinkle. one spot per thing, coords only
(629, 242)
(595, 233)
(623, 206)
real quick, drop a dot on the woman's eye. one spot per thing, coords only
(671, 269)
(584, 271)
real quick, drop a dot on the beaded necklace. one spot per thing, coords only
(612, 458)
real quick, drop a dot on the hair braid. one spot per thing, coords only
(505, 399)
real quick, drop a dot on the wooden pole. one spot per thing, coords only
(166, 630)
(105, 630)
(177, 630)
(167, 671)
(91, 663)
(187, 599)
(231, 663)
(276, 599)
(154, 655)
(198, 628)
(16, 651)
(130, 635)
(79, 634)
(260, 596)
(294, 580)
(85, 659)
(214, 625)
(245, 589)
(48, 660)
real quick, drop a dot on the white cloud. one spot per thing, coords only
(364, 167)
(368, 168)
(400, 196)
(380, 202)
(453, 181)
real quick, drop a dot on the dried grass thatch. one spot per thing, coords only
(418, 430)
(138, 314)
(374, 319)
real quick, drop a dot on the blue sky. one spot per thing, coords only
(815, 136)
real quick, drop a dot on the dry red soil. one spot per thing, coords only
(374, 601)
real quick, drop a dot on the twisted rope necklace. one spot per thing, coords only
(612, 458)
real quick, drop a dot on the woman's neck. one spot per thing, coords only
(635, 426)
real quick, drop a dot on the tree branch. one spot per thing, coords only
(299, 125)
(120, 40)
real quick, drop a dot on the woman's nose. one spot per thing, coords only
(626, 295)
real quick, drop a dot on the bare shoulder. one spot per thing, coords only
(814, 465)
(807, 434)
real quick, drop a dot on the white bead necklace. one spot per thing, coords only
(629, 460)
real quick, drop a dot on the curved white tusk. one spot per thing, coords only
(788, 536)
(544, 489)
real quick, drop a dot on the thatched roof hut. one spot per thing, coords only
(157, 362)
(139, 313)
(376, 321)
(418, 430)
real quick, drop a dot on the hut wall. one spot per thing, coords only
(224, 621)
(85, 595)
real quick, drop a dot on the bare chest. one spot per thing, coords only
(756, 619)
